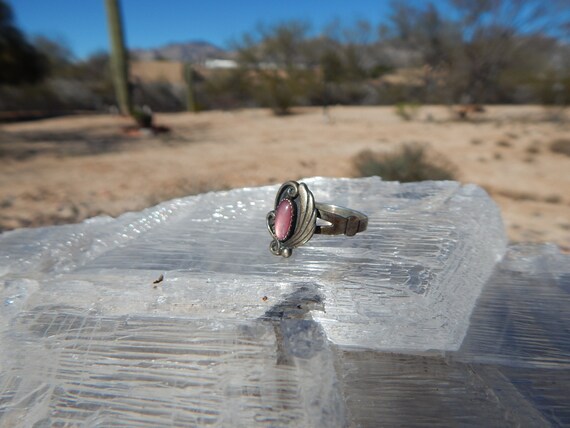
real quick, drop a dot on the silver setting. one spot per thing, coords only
(305, 213)
(304, 218)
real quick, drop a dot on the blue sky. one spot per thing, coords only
(151, 23)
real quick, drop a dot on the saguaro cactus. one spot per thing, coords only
(189, 78)
(119, 64)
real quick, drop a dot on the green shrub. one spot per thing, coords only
(407, 111)
(411, 163)
(279, 94)
(228, 89)
(142, 117)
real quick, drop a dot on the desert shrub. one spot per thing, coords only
(343, 93)
(53, 95)
(159, 96)
(72, 94)
(561, 146)
(518, 196)
(143, 117)
(411, 162)
(407, 111)
(228, 89)
(278, 93)
(503, 143)
(553, 199)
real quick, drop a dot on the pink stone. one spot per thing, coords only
(283, 219)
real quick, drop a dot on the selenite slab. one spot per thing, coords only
(409, 282)
(233, 335)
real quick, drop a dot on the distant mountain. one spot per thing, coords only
(193, 51)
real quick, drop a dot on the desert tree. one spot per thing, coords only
(280, 61)
(95, 72)
(348, 57)
(59, 56)
(356, 48)
(502, 37)
(431, 40)
(480, 47)
(276, 57)
(20, 61)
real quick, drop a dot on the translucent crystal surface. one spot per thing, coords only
(512, 369)
(409, 282)
(180, 315)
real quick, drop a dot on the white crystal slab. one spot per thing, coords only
(408, 283)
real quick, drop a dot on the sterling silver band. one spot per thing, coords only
(343, 221)
(293, 221)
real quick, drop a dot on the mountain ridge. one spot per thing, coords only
(190, 51)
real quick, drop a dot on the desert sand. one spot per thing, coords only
(65, 170)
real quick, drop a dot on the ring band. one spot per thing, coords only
(293, 221)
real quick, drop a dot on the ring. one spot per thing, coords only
(293, 221)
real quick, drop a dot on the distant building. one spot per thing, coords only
(220, 63)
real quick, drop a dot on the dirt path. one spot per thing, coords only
(67, 169)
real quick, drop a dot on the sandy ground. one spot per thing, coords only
(67, 169)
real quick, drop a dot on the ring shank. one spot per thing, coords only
(343, 221)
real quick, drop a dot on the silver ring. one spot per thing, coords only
(293, 221)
